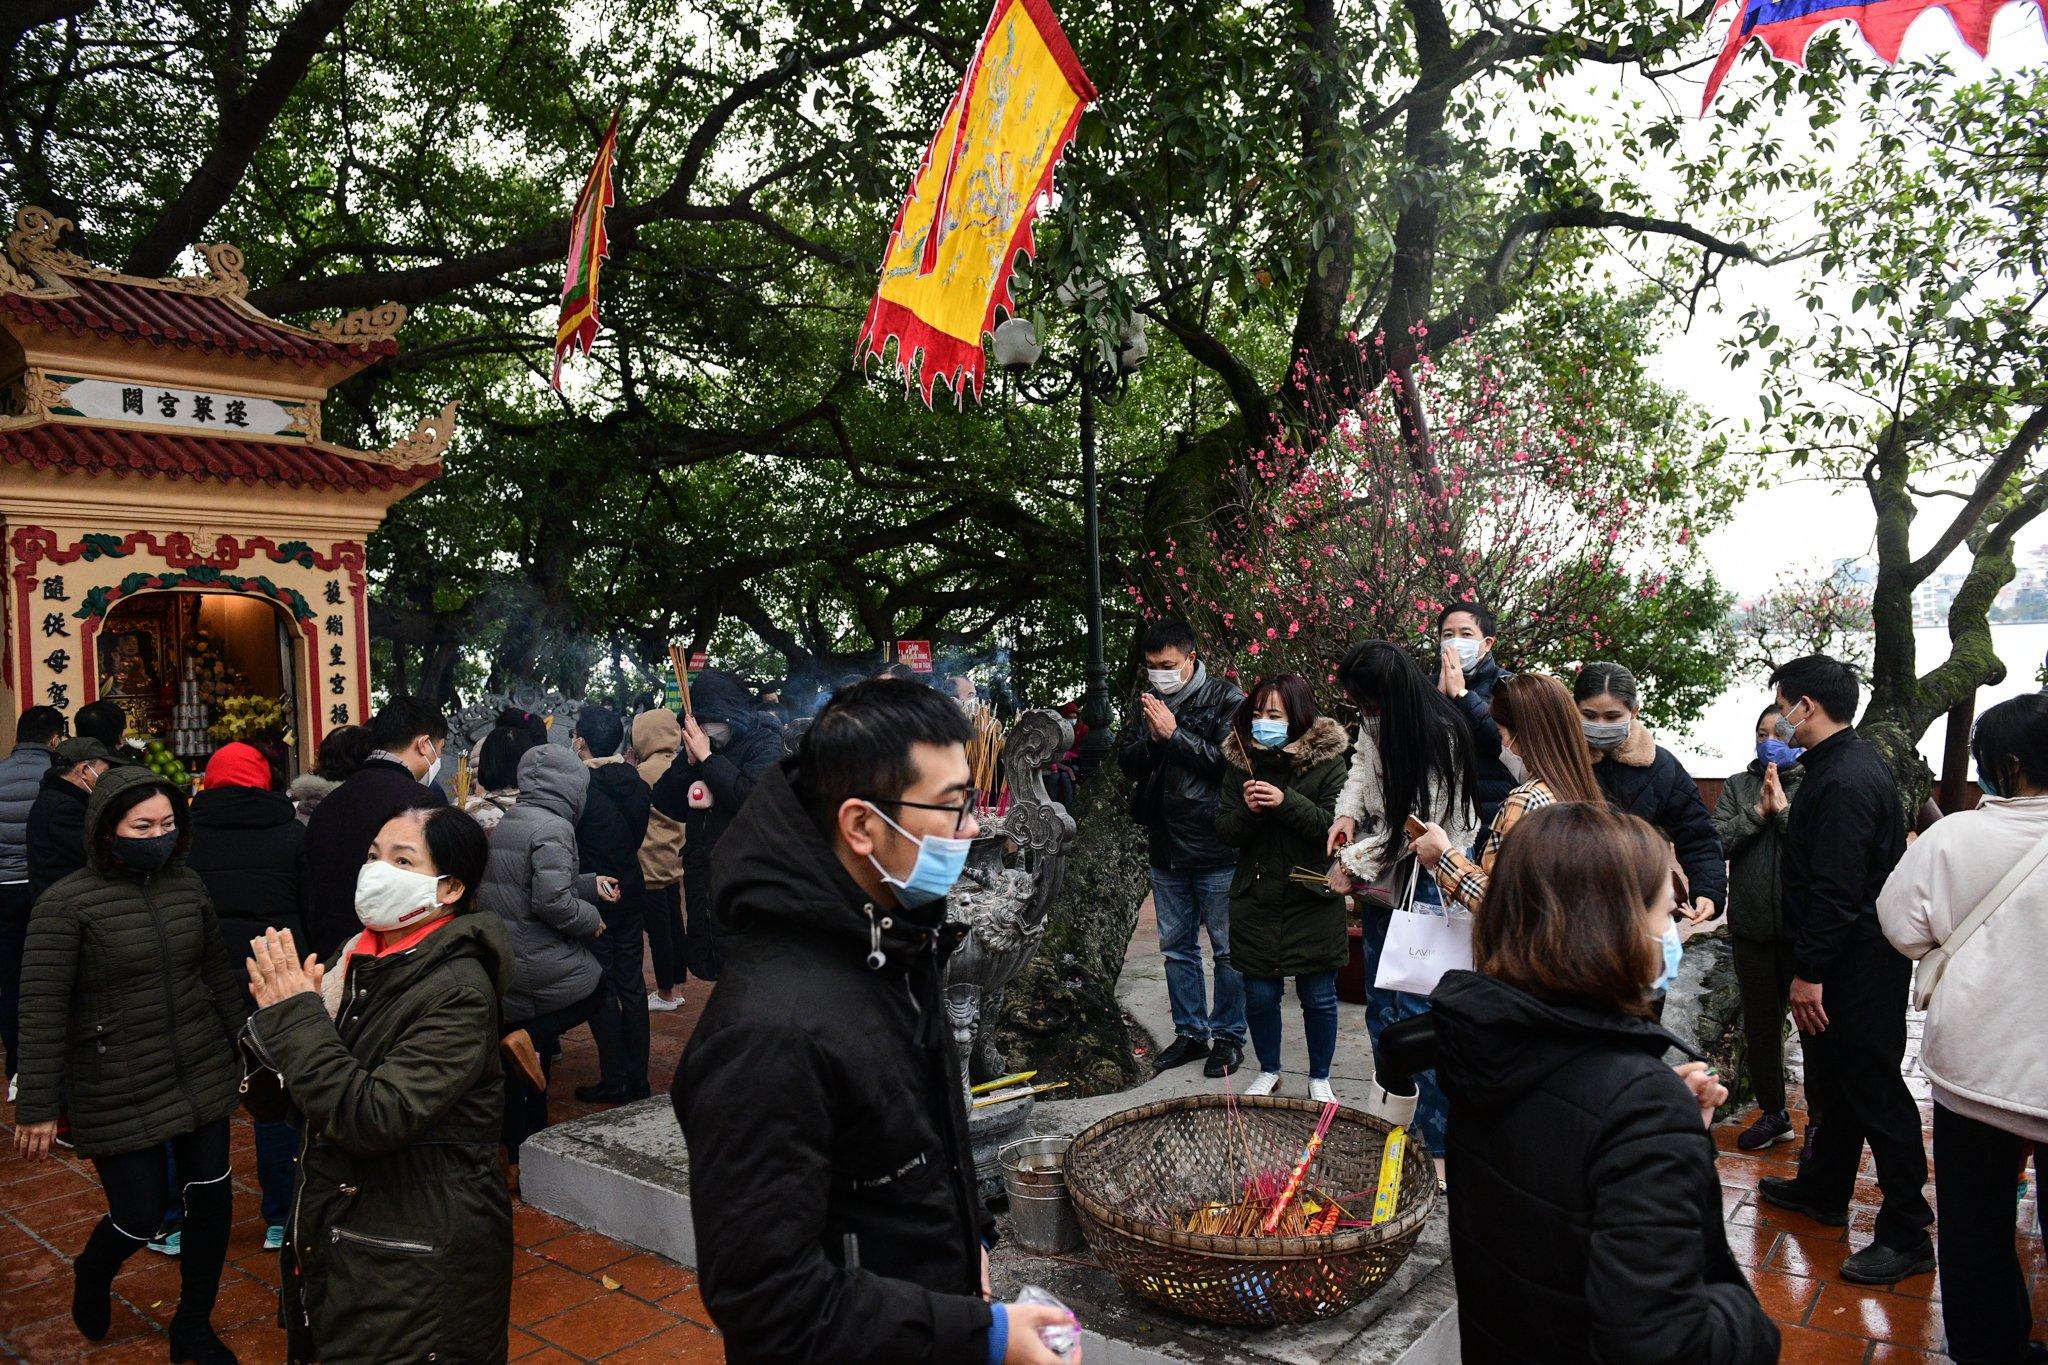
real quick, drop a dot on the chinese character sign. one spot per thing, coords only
(970, 207)
(109, 401)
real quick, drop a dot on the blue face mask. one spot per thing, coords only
(1271, 733)
(1777, 751)
(1673, 951)
(1986, 782)
(938, 865)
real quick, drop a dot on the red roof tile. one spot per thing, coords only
(170, 317)
(154, 454)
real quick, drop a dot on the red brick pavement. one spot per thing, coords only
(581, 1297)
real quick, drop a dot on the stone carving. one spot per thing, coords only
(1013, 872)
(33, 243)
(223, 279)
(380, 323)
(424, 446)
(35, 393)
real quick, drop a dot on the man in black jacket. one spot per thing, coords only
(36, 736)
(831, 1181)
(56, 823)
(1172, 750)
(608, 839)
(725, 753)
(406, 739)
(1845, 833)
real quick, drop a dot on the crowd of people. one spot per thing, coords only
(1576, 848)
(384, 980)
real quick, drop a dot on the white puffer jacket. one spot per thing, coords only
(1364, 800)
(1981, 1048)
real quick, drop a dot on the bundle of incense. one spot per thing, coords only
(1018, 1092)
(1389, 1197)
(1014, 1078)
(461, 780)
(679, 659)
(1308, 876)
(1308, 1157)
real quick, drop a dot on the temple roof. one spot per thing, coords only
(56, 290)
(166, 454)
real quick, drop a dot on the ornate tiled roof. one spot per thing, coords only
(174, 455)
(44, 285)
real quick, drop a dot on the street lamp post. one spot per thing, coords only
(1097, 377)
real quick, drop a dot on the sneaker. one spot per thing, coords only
(1225, 1056)
(13, 1087)
(1180, 1052)
(168, 1243)
(660, 1004)
(1786, 1194)
(1266, 1084)
(64, 1132)
(1319, 1090)
(600, 1093)
(1880, 1264)
(1769, 1130)
(273, 1237)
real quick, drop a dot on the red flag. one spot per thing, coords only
(588, 248)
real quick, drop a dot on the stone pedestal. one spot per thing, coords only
(988, 1130)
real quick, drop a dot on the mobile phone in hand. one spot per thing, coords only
(1414, 828)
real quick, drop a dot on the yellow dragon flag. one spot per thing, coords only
(973, 199)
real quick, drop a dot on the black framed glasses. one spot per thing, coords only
(960, 812)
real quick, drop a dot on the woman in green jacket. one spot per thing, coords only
(400, 1241)
(129, 1010)
(1287, 768)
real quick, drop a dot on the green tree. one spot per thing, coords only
(1913, 365)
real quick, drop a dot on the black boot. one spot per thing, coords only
(93, 1278)
(209, 1213)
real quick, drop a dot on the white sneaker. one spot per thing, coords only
(13, 1085)
(1320, 1091)
(659, 1005)
(1266, 1084)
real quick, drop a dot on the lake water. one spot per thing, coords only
(1724, 738)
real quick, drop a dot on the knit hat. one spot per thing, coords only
(238, 765)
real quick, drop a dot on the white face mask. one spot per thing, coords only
(1165, 681)
(392, 897)
(433, 771)
(1512, 761)
(1469, 651)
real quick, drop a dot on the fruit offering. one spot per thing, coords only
(161, 761)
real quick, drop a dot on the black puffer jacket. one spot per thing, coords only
(821, 1103)
(1489, 775)
(1587, 1220)
(1278, 926)
(129, 1007)
(400, 1241)
(614, 825)
(1643, 778)
(56, 833)
(250, 849)
(1177, 781)
(708, 796)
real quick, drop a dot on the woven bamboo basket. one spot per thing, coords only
(1135, 1175)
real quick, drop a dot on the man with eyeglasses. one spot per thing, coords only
(832, 1186)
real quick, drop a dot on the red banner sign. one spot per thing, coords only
(916, 653)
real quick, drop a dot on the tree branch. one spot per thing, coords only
(244, 121)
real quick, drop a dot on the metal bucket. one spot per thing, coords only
(1035, 1177)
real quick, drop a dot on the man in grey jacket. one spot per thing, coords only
(550, 912)
(21, 777)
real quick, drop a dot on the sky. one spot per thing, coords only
(1803, 522)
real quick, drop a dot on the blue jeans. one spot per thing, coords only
(277, 1158)
(1317, 992)
(1184, 901)
(1382, 1008)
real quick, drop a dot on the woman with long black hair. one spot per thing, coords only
(1414, 757)
(129, 1010)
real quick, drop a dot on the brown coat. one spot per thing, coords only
(657, 734)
